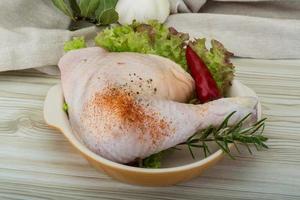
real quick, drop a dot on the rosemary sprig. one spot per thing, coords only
(222, 135)
(225, 135)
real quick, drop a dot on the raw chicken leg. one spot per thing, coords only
(125, 106)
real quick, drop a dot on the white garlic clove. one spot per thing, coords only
(142, 10)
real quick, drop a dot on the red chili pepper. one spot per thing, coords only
(206, 86)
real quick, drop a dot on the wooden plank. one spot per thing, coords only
(36, 162)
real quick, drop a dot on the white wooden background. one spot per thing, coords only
(36, 162)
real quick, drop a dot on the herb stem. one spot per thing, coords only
(225, 135)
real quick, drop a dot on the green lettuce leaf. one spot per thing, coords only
(217, 60)
(153, 161)
(75, 43)
(151, 38)
(65, 107)
(156, 38)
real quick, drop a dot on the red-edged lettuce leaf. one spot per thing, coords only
(217, 59)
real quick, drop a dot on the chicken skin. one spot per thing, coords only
(125, 106)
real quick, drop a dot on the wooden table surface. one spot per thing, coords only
(36, 161)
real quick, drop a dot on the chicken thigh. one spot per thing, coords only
(125, 106)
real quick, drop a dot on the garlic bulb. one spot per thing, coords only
(142, 10)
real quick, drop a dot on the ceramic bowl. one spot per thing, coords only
(177, 167)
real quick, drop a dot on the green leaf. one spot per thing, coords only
(237, 148)
(109, 16)
(65, 107)
(153, 161)
(88, 7)
(75, 43)
(151, 38)
(75, 8)
(217, 59)
(191, 151)
(105, 5)
(105, 13)
(207, 132)
(247, 145)
(225, 122)
(64, 7)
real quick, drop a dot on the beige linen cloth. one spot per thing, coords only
(32, 32)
